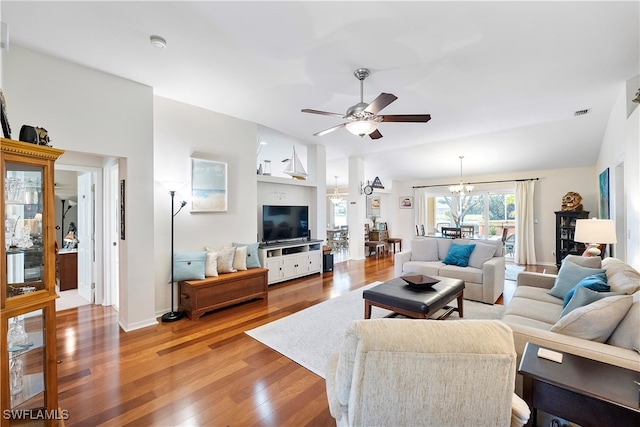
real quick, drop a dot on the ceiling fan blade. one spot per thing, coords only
(416, 118)
(326, 131)
(380, 102)
(324, 113)
(375, 134)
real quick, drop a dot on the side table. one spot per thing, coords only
(584, 391)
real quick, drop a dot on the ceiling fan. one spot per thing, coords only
(363, 118)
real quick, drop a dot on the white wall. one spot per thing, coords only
(182, 131)
(552, 185)
(621, 143)
(89, 111)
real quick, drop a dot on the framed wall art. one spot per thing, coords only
(406, 202)
(603, 184)
(208, 186)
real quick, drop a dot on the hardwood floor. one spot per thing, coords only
(204, 372)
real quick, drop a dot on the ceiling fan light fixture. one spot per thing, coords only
(362, 127)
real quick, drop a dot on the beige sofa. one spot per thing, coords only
(533, 312)
(483, 277)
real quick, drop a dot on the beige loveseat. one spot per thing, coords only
(483, 277)
(533, 312)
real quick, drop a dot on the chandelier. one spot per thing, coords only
(461, 189)
(335, 197)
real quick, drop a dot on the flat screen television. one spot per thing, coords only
(284, 222)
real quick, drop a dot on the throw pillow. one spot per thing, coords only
(253, 261)
(188, 266)
(458, 255)
(596, 321)
(481, 254)
(584, 261)
(584, 296)
(627, 334)
(424, 250)
(224, 259)
(568, 276)
(597, 282)
(239, 257)
(211, 265)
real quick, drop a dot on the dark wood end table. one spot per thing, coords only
(581, 390)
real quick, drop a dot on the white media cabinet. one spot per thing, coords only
(288, 260)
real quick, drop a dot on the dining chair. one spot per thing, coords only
(451, 232)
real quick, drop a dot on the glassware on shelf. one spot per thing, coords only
(16, 342)
(267, 167)
(14, 190)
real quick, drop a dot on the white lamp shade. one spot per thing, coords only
(362, 127)
(595, 231)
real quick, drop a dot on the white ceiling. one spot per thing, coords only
(501, 80)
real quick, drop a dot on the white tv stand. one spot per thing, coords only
(288, 260)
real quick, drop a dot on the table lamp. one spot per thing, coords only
(595, 232)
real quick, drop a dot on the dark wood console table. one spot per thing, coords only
(584, 391)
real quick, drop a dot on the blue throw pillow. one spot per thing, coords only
(569, 275)
(596, 282)
(189, 266)
(585, 296)
(252, 254)
(458, 254)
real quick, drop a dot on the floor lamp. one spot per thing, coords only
(173, 315)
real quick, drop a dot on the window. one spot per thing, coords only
(340, 213)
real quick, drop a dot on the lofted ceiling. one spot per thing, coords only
(501, 80)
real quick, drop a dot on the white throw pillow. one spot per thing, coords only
(211, 264)
(240, 257)
(224, 259)
(424, 250)
(596, 321)
(481, 254)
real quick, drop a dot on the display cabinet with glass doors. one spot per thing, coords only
(28, 334)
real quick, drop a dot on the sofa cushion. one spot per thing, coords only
(428, 268)
(591, 262)
(569, 275)
(481, 254)
(596, 282)
(538, 294)
(627, 334)
(584, 296)
(424, 250)
(458, 255)
(596, 321)
(621, 276)
(466, 274)
(443, 247)
(545, 312)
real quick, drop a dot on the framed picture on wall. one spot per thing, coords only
(406, 202)
(208, 186)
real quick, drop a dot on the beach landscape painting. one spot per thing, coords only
(208, 186)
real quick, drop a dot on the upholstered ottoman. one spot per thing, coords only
(415, 302)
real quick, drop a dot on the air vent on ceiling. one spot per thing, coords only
(581, 112)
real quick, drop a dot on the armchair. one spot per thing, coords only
(404, 372)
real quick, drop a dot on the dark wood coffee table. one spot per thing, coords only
(418, 303)
(584, 391)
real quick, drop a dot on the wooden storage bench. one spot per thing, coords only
(200, 296)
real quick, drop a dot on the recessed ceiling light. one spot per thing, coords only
(158, 42)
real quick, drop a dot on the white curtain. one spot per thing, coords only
(420, 198)
(525, 232)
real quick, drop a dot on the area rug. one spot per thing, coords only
(512, 271)
(309, 336)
